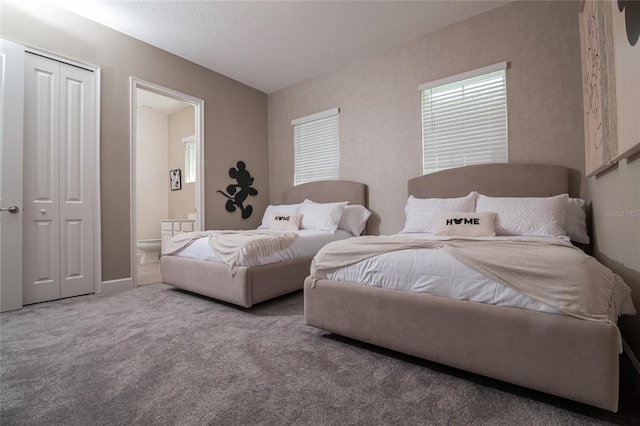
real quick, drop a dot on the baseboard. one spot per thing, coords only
(635, 379)
(116, 285)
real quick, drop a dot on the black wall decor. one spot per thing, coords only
(238, 193)
(631, 11)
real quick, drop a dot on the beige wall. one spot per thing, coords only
(181, 125)
(152, 198)
(235, 116)
(615, 198)
(380, 129)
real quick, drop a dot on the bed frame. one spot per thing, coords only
(560, 355)
(255, 284)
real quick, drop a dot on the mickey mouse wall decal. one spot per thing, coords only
(238, 193)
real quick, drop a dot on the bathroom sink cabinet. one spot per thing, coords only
(171, 227)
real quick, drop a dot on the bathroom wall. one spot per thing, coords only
(152, 174)
(183, 201)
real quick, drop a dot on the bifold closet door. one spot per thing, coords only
(58, 180)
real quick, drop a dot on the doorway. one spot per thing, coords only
(167, 187)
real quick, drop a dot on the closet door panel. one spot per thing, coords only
(41, 191)
(76, 180)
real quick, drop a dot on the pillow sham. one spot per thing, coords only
(283, 208)
(354, 218)
(421, 213)
(575, 221)
(465, 224)
(286, 221)
(534, 216)
(321, 216)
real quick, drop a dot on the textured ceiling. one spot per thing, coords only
(270, 45)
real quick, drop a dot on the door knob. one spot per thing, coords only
(12, 209)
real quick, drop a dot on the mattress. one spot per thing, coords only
(306, 244)
(437, 273)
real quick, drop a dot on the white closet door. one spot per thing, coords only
(76, 180)
(58, 170)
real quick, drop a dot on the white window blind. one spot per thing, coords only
(464, 119)
(316, 147)
(189, 159)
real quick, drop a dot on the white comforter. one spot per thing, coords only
(307, 244)
(438, 273)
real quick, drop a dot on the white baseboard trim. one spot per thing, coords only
(631, 356)
(116, 285)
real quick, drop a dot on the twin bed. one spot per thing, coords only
(527, 343)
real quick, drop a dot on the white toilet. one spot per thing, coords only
(150, 250)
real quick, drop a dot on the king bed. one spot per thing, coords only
(255, 283)
(548, 351)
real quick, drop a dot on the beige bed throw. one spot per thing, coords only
(230, 245)
(552, 272)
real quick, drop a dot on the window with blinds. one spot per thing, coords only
(316, 147)
(464, 119)
(189, 159)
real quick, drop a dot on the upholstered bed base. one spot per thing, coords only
(246, 288)
(560, 355)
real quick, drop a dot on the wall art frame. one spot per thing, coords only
(598, 84)
(175, 178)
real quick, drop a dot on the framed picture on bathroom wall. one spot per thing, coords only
(175, 179)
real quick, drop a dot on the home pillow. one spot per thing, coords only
(286, 221)
(354, 218)
(283, 208)
(321, 216)
(535, 216)
(465, 224)
(575, 221)
(421, 212)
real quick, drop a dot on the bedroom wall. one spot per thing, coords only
(235, 116)
(380, 127)
(152, 147)
(181, 125)
(615, 205)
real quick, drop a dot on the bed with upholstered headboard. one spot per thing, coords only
(558, 354)
(254, 284)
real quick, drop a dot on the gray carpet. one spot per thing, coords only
(159, 356)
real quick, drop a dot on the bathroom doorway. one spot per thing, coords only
(166, 177)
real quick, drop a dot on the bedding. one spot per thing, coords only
(543, 274)
(306, 243)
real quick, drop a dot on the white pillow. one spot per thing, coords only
(283, 208)
(421, 212)
(575, 221)
(286, 221)
(354, 218)
(321, 216)
(466, 224)
(535, 216)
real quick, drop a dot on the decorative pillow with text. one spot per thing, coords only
(286, 221)
(462, 224)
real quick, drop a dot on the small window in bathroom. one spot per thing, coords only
(189, 159)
